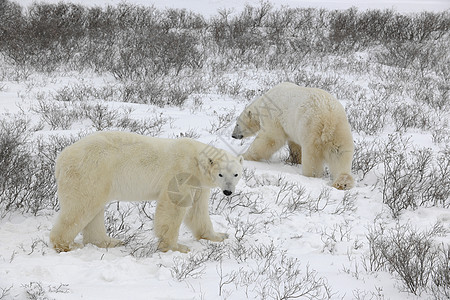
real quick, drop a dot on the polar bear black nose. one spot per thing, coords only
(237, 136)
(227, 192)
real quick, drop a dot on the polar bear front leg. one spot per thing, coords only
(264, 146)
(168, 218)
(95, 233)
(199, 222)
(340, 165)
(312, 162)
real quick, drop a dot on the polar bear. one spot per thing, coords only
(310, 120)
(106, 166)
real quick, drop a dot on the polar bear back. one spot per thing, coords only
(304, 112)
(125, 163)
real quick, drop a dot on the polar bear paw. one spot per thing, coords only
(164, 247)
(215, 237)
(109, 243)
(344, 182)
(66, 247)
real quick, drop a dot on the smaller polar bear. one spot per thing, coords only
(106, 166)
(313, 123)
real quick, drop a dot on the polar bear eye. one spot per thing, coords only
(220, 175)
(236, 175)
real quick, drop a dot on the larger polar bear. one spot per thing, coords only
(313, 123)
(106, 166)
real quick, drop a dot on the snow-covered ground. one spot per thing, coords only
(322, 242)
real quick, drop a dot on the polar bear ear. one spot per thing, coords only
(205, 165)
(241, 159)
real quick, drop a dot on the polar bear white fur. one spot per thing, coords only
(310, 120)
(106, 166)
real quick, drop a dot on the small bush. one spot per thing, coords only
(27, 169)
(60, 115)
(277, 276)
(413, 178)
(367, 116)
(36, 290)
(440, 277)
(192, 266)
(412, 116)
(366, 157)
(410, 254)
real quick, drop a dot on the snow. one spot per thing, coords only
(332, 244)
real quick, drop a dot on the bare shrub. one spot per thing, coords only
(83, 92)
(26, 170)
(321, 201)
(192, 266)
(182, 18)
(406, 252)
(366, 157)
(331, 82)
(412, 116)
(351, 29)
(441, 134)
(278, 276)
(222, 122)
(229, 87)
(60, 115)
(294, 200)
(117, 221)
(374, 261)
(36, 290)
(101, 115)
(431, 91)
(347, 204)
(367, 116)
(128, 223)
(150, 126)
(399, 54)
(190, 133)
(5, 292)
(413, 178)
(331, 236)
(440, 276)
(243, 228)
(157, 91)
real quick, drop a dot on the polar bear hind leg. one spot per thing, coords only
(64, 232)
(95, 233)
(70, 222)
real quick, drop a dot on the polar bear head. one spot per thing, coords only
(248, 124)
(222, 170)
